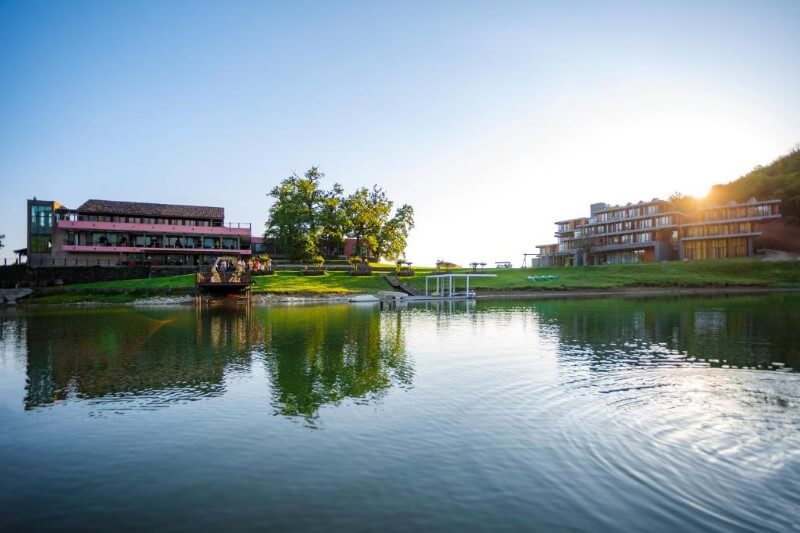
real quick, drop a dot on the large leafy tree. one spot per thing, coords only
(302, 214)
(307, 220)
(393, 236)
(365, 210)
(368, 214)
(331, 219)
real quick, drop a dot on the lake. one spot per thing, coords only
(582, 415)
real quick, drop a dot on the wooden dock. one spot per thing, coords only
(402, 287)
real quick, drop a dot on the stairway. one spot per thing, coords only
(402, 287)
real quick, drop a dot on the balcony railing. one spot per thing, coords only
(235, 228)
(72, 216)
(69, 242)
(70, 246)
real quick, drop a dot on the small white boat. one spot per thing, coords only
(461, 294)
(396, 295)
(364, 298)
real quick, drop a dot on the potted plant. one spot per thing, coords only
(360, 267)
(263, 265)
(314, 266)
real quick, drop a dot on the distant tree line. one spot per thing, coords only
(309, 222)
(780, 179)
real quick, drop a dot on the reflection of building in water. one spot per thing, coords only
(319, 355)
(314, 355)
(127, 353)
(743, 331)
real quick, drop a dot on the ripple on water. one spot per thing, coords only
(691, 435)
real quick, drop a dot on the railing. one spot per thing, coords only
(159, 245)
(73, 216)
(224, 277)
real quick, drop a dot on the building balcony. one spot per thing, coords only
(623, 246)
(721, 236)
(100, 249)
(733, 220)
(238, 230)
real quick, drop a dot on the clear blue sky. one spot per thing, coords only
(493, 119)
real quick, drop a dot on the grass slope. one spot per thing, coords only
(723, 273)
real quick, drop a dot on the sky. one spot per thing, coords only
(492, 119)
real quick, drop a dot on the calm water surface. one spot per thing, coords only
(594, 415)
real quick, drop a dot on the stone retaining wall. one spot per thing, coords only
(24, 276)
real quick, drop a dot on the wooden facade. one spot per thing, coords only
(657, 231)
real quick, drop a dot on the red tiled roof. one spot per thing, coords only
(144, 209)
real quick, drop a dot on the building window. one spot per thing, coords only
(104, 239)
(40, 244)
(41, 219)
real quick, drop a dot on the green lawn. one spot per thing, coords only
(744, 272)
(720, 273)
(330, 283)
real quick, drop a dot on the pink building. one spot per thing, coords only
(104, 232)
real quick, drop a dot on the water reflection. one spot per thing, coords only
(321, 355)
(743, 332)
(562, 415)
(153, 357)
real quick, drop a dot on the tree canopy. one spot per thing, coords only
(780, 179)
(307, 221)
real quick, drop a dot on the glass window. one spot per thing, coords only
(104, 239)
(41, 219)
(174, 241)
(40, 244)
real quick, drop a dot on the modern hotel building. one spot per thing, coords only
(103, 232)
(657, 231)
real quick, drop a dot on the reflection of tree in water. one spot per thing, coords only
(319, 355)
(159, 356)
(743, 331)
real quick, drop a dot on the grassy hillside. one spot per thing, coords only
(780, 179)
(722, 273)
